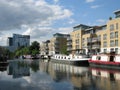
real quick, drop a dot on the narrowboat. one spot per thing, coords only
(111, 61)
(71, 59)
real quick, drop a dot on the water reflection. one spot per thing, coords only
(40, 75)
(106, 78)
(18, 69)
(77, 76)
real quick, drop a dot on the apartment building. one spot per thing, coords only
(44, 49)
(74, 41)
(17, 41)
(95, 39)
(58, 44)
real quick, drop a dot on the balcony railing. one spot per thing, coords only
(95, 46)
(69, 44)
(69, 39)
(69, 49)
(95, 39)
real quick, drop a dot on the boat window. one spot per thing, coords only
(64, 57)
(111, 58)
(98, 73)
(99, 57)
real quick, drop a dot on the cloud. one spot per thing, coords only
(56, 1)
(38, 32)
(16, 13)
(33, 17)
(89, 1)
(65, 30)
(3, 39)
(102, 21)
(95, 6)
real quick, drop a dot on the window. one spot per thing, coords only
(105, 50)
(104, 44)
(99, 37)
(111, 27)
(116, 26)
(88, 39)
(77, 41)
(116, 50)
(116, 34)
(111, 43)
(104, 36)
(77, 35)
(77, 46)
(112, 49)
(116, 42)
(83, 39)
(111, 35)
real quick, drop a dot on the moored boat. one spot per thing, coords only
(105, 61)
(71, 59)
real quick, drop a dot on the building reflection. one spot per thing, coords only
(77, 76)
(18, 69)
(106, 78)
(3, 65)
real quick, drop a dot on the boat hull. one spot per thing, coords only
(101, 64)
(77, 62)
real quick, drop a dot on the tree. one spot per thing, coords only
(34, 48)
(64, 50)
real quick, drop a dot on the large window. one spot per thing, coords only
(111, 27)
(104, 36)
(104, 44)
(111, 43)
(116, 42)
(116, 34)
(112, 50)
(116, 26)
(77, 46)
(116, 50)
(105, 50)
(112, 35)
(99, 37)
(77, 41)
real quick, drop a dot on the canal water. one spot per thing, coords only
(44, 75)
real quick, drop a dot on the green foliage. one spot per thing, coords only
(5, 53)
(64, 50)
(34, 66)
(34, 48)
(31, 50)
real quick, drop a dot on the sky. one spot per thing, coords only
(42, 18)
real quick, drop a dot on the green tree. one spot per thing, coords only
(64, 50)
(34, 48)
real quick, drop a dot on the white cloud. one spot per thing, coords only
(34, 17)
(16, 13)
(65, 30)
(95, 6)
(3, 39)
(88, 1)
(102, 21)
(71, 21)
(56, 1)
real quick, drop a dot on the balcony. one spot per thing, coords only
(89, 40)
(84, 46)
(95, 39)
(69, 49)
(69, 39)
(69, 44)
(95, 46)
